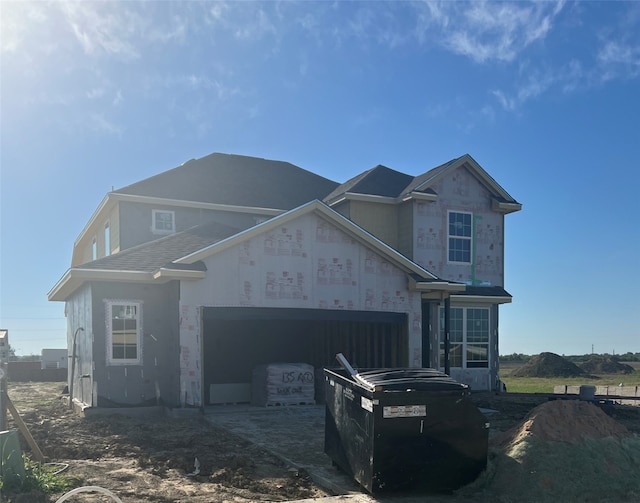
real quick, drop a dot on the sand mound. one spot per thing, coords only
(564, 450)
(566, 421)
(606, 365)
(548, 365)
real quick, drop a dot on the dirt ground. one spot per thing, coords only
(151, 459)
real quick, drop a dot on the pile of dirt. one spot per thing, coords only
(606, 365)
(548, 365)
(566, 421)
(564, 450)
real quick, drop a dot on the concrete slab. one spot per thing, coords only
(294, 433)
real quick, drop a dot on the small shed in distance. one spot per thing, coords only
(54, 359)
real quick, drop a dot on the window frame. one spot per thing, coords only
(94, 248)
(109, 332)
(462, 340)
(154, 222)
(459, 237)
(107, 239)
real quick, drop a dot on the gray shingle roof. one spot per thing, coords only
(378, 181)
(151, 256)
(420, 179)
(383, 181)
(236, 180)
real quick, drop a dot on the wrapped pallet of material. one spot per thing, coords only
(283, 384)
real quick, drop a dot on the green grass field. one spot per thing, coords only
(546, 384)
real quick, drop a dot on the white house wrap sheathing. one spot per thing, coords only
(305, 263)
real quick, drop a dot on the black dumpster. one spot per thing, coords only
(404, 429)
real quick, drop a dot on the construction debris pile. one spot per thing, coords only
(564, 450)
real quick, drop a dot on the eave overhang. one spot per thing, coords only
(481, 299)
(419, 196)
(504, 207)
(367, 198)
(194, 204)
(168, 274)
(74, 278)
(438, 289)
(370, 198)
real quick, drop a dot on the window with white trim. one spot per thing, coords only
(469, 337)
(459, 242)
(163, 222)
(107, 240)
(94, 249)
(124, 332)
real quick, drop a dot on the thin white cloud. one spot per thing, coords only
(256, 27)
(535, 82)
(101, 29)
(96, 92)
(100, 124)
(619, 59)
(484, 30)
(176, 31)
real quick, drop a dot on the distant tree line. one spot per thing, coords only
(624, 357)
(13, 357)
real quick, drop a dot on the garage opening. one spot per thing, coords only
(236, 340)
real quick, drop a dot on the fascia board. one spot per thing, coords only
(74, 278)
(439, 286)
(196, 204)
(367, 198)
(480, 299)
(168, 274)
(322, 209)
(505, 208)
(370, 198)
(99, 210)
(419, 196)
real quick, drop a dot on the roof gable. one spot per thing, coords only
(378, 181)
(325, 212)
(383, 182)
(424, 182)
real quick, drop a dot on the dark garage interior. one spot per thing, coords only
(236, 340)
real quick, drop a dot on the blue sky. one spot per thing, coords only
(545, 96)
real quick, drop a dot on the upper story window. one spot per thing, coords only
(459, 243)
(163, 222)
(94, 249)
(124, 332)
(107, 240)
(468, 337)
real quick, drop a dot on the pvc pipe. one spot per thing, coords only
(88, 489)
